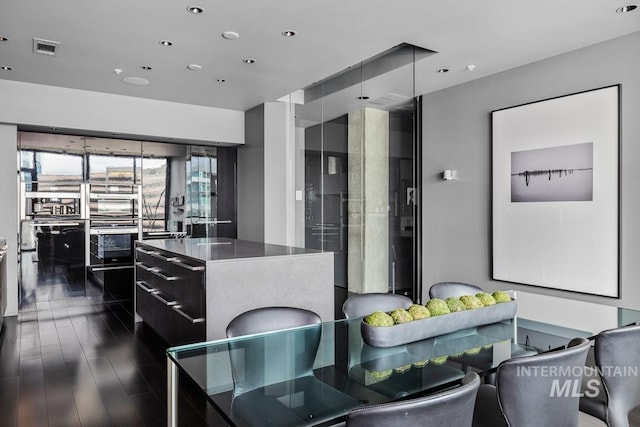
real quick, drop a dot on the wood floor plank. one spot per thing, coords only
(9, 400)
(120, 408)
(32, 402)
(152, 411)
(91, 410)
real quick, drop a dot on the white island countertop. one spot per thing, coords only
(222, 248)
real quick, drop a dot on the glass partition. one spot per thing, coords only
(85, 200)
(358, 129)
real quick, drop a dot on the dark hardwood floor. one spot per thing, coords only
(72, 362)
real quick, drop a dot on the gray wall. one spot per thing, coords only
(456, 126)
(251, 177)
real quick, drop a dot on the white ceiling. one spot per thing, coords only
(98, 36)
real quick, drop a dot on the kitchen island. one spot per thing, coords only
(188, 290)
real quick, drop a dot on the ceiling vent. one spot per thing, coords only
(45, 47)
(389, 101)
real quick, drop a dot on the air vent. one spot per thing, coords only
(389, 101)
(45, 47)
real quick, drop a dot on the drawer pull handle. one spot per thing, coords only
(181, 263)
(145, 286)
(157, 295)
(162, 257)
(145, 267)
(109, 268)
(157, 272)
(145, 251)
(178, 310)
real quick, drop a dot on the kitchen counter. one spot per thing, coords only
(222, 248)
(206, 282)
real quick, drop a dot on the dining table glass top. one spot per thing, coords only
(314, 375)
(317, 374)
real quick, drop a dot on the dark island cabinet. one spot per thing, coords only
(170, 295)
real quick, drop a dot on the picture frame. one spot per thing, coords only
(555, 192)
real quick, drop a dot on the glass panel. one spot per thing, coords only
(111, 169)
(202, 169)
(163, 187)
(154, 171)
(51, 162)
(360, 190)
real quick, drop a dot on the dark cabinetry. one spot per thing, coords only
(170, 295)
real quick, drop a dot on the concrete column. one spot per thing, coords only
(368, 204)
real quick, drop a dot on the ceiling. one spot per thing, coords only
(97, 37)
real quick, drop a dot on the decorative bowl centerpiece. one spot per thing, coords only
(378, 331)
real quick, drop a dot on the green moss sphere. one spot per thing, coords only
(419, 312)
(379, 318)
(437, 307)
(501, 296)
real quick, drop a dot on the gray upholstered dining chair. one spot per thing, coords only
(536, 391)
(452, 407)
(270, 319)
(444, 290)
(263, 384)
(616, 390)
(359, 305)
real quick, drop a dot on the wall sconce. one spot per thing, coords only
(449, 174)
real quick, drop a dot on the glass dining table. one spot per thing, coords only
(315, 375)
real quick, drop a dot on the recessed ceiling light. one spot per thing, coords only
(145, 67)
(289, 33)
(624, 9)
(221, 80)
(230, 35)
(364, 97)
(442, 70)
(3, 39)
(135, 81)
(118, 70)
(249, 61)
(6, 68)
(471, 67)
(195, 9)
(194, 67)
(166, 42)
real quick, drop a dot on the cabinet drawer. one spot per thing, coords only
(185, 328)
(145, 304)
(157, 278)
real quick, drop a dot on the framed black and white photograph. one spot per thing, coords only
(555, 192)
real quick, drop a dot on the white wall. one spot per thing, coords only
(50, 106)
(457, 135)
(87, 112)
(266, 182)
(9, 213)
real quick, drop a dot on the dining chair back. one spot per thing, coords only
(359, 305)
(273, 380)
(536, 391)
(449, 408)
(259, 362)
(617, 389)
(444, 290)
(268, 319)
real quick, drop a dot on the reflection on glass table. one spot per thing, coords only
(547, 322)
(315, 375)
